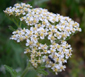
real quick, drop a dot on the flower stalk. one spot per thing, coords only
(26, 70)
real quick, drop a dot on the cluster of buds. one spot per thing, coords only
(45, 35)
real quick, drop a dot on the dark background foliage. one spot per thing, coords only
(11, 53)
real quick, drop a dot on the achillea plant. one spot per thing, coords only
(44, 35)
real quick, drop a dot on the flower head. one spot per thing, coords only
(44, 36)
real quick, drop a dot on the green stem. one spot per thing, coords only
(26, 70)
(20, 24)
(24, 73)
(15, 22)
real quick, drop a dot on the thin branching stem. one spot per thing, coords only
(26, 70)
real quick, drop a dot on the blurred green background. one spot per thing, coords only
(11, 53)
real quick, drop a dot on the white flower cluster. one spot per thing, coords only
(18, 9)
(45, 36)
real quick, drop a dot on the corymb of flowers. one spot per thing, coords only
(44, 35)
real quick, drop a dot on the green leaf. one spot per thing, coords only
(12, 71)
(11, 28)
(42, 72)
(38, 2)
(42, 67)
